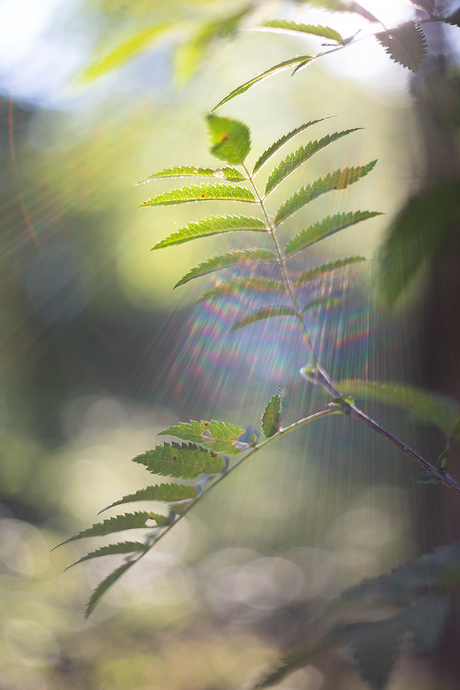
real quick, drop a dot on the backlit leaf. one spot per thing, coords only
(238, 285)
(300, 156)
(278, 144)
(340, 179)
(118, 524)
(454, 19)
(103, 586)
(283, 26)
(230, 174)
(204, 192)
(226, 260)
(216, 225)
(112, 549)
(342, 6)
(376, 647)
(406, 44)
(273, 415)
(322, 302)
(184, 460)
(268, 73)
(218, 437)
(318, 271)
(230, 139)
(159, 492)
(261, 314)
(428, 406)
(127, 50)
(324, 228)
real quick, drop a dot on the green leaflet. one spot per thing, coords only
(230, 139)
(321, 302)
(103, 586)
(426, 405)
(406, 44)
(376, 647)
(230, 174)
(216, 225)
(317, 271)
(189, 54)
(273, 415)
(218, 437)
(225, 260)
(118, 524)
(278, 144)
(112, 549)
(273, 70)
(300, 156)
(127, 50)
(184, 460)
(342, 6)
(260, 314)
(283, 26)
(238, 285)
(324, 228)
(204, 192)
(419, 232)
(159, 492)
(340, 179)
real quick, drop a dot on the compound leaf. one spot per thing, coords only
(317, 271)
(226, 260)
(159, 492)
(112, 549)
(184, 460)
(285, 26)
(300, 156)
(118, 524)
(261, 314)
(216, 225)
(406, 45)
(218, 436)
(204, 192)
(103, 586)
(229, 174)
(340, 179)
(283, 140)
(239, 285)
(230, 139)
(273, 415)
(324, 228)
(428, 406)
(268, 73)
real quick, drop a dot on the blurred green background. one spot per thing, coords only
(98, 353)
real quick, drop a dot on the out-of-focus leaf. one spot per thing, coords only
(427, 5)
(159, 492)
(113, 549)
(342, 6)
(285, 26)
(324, 228)
(238, 285)
(419, 232)
(317, 271)
(273, 415)
(133, 46)
(103, 586)
(428, 406)
(340, 179)
(181, 460)
(428, 620)
(300, 156)
(283, 140)
(260, 315)
(189, 54)
(204, 192)
(376, 647)
(230, 139)
(118, 524)
(322, 302)
(454, 19)
(218, 436)
(226, 260)
(406, 44)
(206, 227)
(229, 174)
(268, 73)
